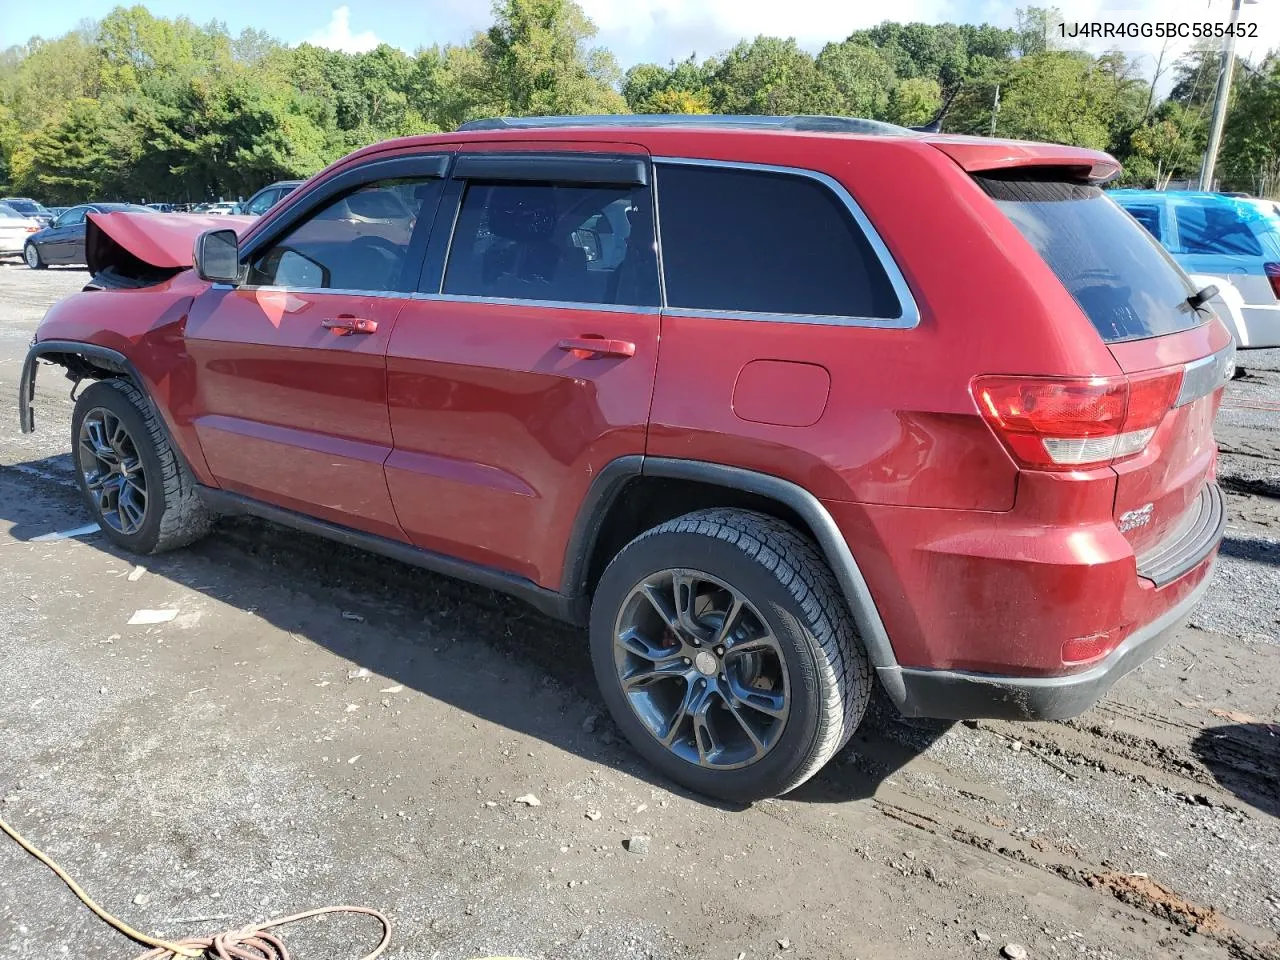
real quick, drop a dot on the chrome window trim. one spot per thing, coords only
(909, 315)
(518, 302)
(448, 298)
(312, 291)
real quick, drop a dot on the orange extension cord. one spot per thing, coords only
(248, 943)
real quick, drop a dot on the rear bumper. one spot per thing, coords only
(1262, 325)
(978, 609)
(956, 695)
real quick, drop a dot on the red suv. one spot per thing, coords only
(780, 407)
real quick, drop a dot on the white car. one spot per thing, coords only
(1228, 303)
(14, 230)
(222, 209)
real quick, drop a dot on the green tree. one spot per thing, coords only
(70, 159)
(772, 76)
(1250, 157)
(914, 101)
(682, 87)
(862, 76)
(535, 59)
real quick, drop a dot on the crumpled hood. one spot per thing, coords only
(163, 241)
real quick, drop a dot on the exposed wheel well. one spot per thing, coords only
(646, 501)
(83, 366)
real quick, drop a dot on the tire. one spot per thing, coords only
(787, 596)
(31, 254)
(173, 514)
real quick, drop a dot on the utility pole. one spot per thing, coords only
(1220, 99)
(995, 110)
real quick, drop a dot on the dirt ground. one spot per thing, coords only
(317, 726)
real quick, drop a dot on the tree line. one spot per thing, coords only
(142, 107)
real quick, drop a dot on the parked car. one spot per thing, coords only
(14, 230)
(268, 197)
(63, 242)
(824, 447)
(221, 209)
(29, 208)
(161, 207)
(1237, 239)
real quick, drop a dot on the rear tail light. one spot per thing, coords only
(1273, 274)
(32, 229)
(1055, 423)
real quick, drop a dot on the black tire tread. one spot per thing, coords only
(798, 565)
(185, 518)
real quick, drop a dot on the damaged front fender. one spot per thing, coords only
(80, 359)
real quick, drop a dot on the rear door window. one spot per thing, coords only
(1123, 280)
(756, 241)
(1214, 229)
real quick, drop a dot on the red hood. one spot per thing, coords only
(160, 240)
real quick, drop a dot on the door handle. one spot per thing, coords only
(345, 326)
(583, 347)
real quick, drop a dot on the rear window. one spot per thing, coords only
(1122, 279)
(1213, 229)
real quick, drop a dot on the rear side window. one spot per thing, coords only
(1220, 230)
(1149, 217)
(1122, 279)
(755, 241)
(567, 243)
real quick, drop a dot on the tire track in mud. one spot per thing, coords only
(1135, 889)
(944, 799)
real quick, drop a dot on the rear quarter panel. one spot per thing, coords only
(900, 426)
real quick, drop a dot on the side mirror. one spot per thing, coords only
(217, 256)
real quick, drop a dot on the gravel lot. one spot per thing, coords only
(320, 726)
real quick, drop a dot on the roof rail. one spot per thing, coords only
(808, 124)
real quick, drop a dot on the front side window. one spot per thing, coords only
(764, 242)
(73, 216)
(358, 241)
(568, 243)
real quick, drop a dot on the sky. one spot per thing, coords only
(637, 31)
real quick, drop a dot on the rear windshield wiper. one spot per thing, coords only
(1202, 296)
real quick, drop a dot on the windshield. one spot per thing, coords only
(1122, 279)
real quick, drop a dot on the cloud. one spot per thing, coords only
(661, 30)
(338, 36)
